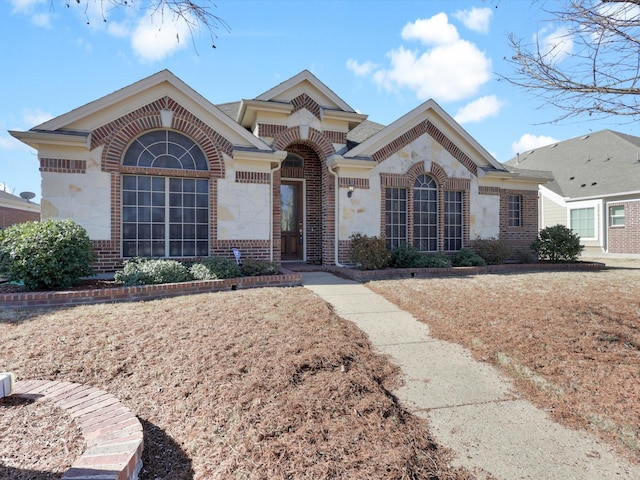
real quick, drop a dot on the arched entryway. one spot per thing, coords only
(304, 205)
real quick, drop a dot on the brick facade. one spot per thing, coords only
(11, 216)
(625, 239)
(519, 238)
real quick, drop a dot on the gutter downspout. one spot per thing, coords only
(337, 219)
(273, 171)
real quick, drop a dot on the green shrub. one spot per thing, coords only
(222, 267)
(200, 272)
(467, 258)
(558, 244)
(369, 253)
(493, 250)
(46, 255)
(407, 256)
(152, 271)
(436, 260)
(252, 267)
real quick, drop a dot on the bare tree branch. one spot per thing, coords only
(196, 15)
(592, 67)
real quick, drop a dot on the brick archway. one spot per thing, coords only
(319, 201)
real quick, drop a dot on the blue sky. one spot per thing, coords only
(383, 58)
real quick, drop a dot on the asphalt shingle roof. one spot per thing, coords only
(592, 165)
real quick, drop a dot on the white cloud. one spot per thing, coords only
(34, 117)
(9, 143)
(41, 20)
(431, 31)
(478, 110)
(446, 67)
(445, 73)
(361, 69)
(24, 6)
(476, 19)
(528, 141)
(158, 36)
(118, 29)
(555, 45)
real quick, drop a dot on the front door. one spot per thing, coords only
(292, 241)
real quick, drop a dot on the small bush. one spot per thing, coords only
(222, 267)
(557, 244)
(200, 272)
(493, 250)
(46, 255)
(369, 253)
(437, 260)
(467, 258)
(407, 256)
(152, 271)
(252, 267)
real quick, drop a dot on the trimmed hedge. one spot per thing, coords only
(46, 255)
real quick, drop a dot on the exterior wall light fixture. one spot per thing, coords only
(351, 188)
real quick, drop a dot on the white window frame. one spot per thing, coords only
(613, 217)
(596, 218)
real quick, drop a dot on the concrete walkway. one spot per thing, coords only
(470, 407)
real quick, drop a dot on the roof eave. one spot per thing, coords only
(35, 138)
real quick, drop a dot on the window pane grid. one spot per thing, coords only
(164, 217)
(452, 221)
(515, 210)
(396, 217)
(582, 222)
(616, 214)
(425, 214)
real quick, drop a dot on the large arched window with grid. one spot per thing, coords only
(165, 215)
(425, 214)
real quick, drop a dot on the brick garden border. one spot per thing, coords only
(112, 432)
(397, 273)
(144, 292)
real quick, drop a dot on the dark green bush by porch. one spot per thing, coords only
(467, 258)
(369, 253)
(557, 244)
(494, 250)
(408, 256)
(252, 267)
(46, 255)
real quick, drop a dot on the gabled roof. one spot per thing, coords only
(307, 82)
(597, 164)
(127, 99)
(432, 112)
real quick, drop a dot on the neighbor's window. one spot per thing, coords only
(396, 217)
(616, 215)
(163, 216)
(515, 210)
(425, 214)
(452, 221)
(583, 222)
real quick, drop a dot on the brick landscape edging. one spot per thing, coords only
(398, 273)
(145, 292)
(113, 434)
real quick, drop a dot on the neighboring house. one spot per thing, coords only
(16, 210)
(155, 169)
(596, 189)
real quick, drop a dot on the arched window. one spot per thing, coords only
(165, 149)
(425, 214)
(164, 216)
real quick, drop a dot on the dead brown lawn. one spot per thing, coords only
(253, 384)
(570, 340)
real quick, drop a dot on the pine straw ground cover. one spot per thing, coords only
(570, 340)
(252, 384)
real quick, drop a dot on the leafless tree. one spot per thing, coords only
(195, 14)
(590, 66)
